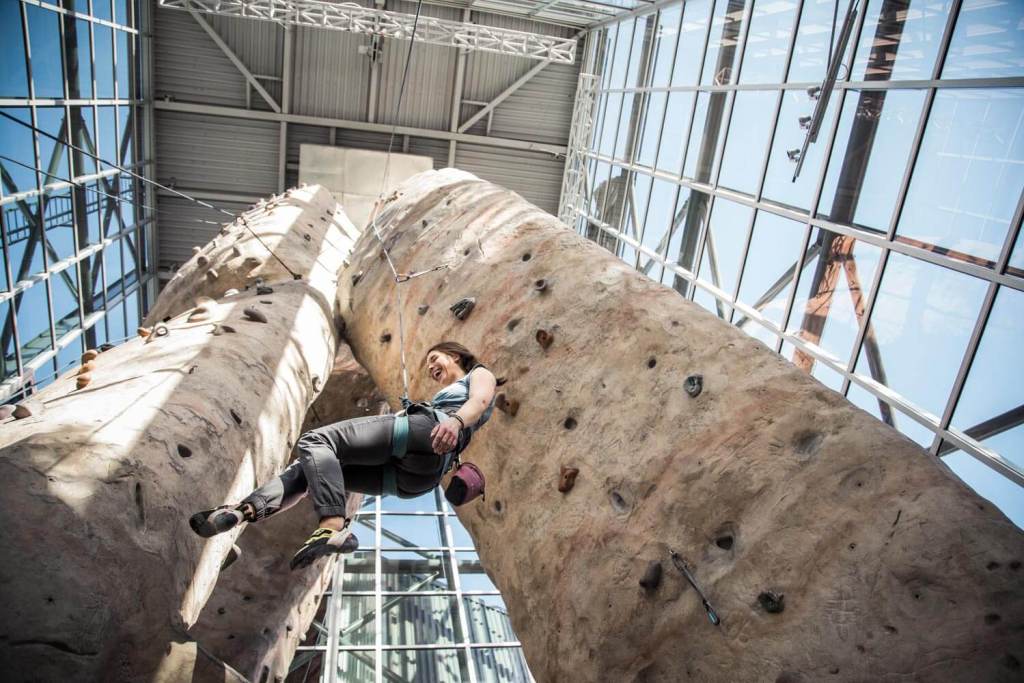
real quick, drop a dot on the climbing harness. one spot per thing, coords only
(681, 565)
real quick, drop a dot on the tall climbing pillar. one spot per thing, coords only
(635, 425)
(102, 574)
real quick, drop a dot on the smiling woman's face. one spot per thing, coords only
(442, 367)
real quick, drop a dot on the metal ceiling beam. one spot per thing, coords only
(229, 53)
(503, 95)
(399, 25)
(255, 115)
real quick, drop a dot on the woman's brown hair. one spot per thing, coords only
(467, 360)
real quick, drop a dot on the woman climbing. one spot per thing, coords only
(405, 454)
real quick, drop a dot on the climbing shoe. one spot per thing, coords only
(324, 542)
(212, 522)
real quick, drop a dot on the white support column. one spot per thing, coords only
(286, 97)
(460, 77)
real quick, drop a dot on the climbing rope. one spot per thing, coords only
(399, 278)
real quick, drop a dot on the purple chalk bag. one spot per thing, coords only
(467, 484)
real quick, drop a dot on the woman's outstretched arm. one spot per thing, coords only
(481, 391)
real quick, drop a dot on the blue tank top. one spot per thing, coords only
(454, 396)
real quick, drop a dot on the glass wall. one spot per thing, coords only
(868, 231)
(75, 239)
(412, 604)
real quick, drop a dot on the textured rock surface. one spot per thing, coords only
(259, 610)
(885, 566)
(102, 574)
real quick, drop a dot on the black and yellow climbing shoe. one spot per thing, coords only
(212, 522)
(324, 542)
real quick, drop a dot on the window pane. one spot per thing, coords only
(17, 144)
(420, 620)
(665, 45)
(488, 620)
(762, 334)
(705, 136)
(359, 571)
(988, 41)
(922, 319)
(423, 666)
(830, 297)
(991, 405)
(900, 39)
(660, 214)
(652, 128)
(692, 208)
(724, 248)
(872, 144)
(989, 484)
(83, 132)
(103, 40)
(621, 43)
(723, 42)
(1016, 265)
(131, 266)
(121, 13)
(778, 183)
(771, 264)
(811, 51)
(634, 76)
(124, 66)
(771, 28)
(500, 665)
(610, 127)
(690, 48)
(60, 222)
(44, 42)
(8, 360)
(969, 173)
(353, 667)
(107, 134)
(747, 140)
(415, 570)
(78, 35)
(357, 614)
(126, 135)
(471, 573)
(23, 232)
(611, 197)
(13, 77)
(673, 135)
(115, 323)
(70, 356)
(407, 531)
(101, 9)
(33, 321)
(633, 218)
(65, 301)
(53, 156)
(627, 127)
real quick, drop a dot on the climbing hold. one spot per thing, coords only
(652, 576)
(527, 256)
(202, 261)
(159, 330)
(83, 380)
(106, 346)
(540, 285)
(235, 251)
(463, 307)
(385, 338)
(212, 275)
(213, 243)
(424, 222)
(772, 602)
(316, 383)
(545, 338)
(252, 262)
(144, 332)
(254, 314)
(184, 451)
(233, 554)
(6, 411)
(507, 405)
(196, 250)
(225, 230)
(263, 290)
(356, 278)
(231, 292)
(423, 309)
(21, 411)
(86, 368)
(693, 385)
(567, 479)
(307, 237)
(570, 423)
(89, 355)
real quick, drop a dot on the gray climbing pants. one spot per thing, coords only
(352, 455)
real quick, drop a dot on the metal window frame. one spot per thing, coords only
(996, 277)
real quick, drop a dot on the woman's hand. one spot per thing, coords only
(445, 435)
